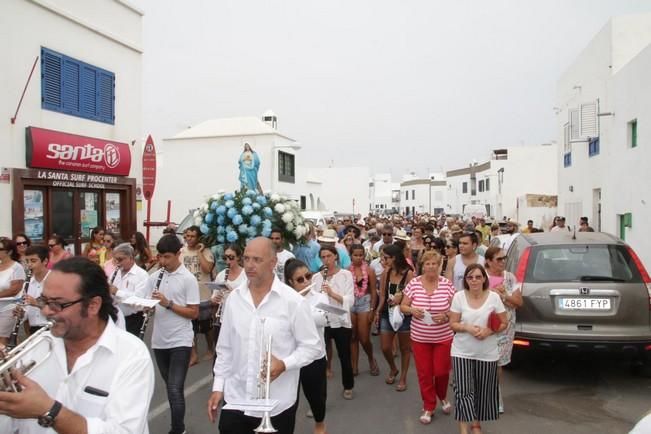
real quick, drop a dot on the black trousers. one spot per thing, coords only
(342, 337)
(235, 422)
(133, 323)
(314, 382)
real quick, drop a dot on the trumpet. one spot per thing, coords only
(150, 312)
(18, 358)
(13, 338)
(264, 381)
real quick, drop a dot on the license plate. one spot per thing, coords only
(584, 303)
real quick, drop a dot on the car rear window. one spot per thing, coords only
(582, 263)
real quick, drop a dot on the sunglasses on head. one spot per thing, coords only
(303, 279)
(228, 257)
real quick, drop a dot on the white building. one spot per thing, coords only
(511, 173)
(341, 190)
(604, 119)
(384, 194)
(419, 196)
(69, 160)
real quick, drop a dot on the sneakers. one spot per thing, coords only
(446, 407)
(426, 417)
(348, 394)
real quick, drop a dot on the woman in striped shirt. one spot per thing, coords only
(427, 298)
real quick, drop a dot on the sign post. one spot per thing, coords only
(148, 175)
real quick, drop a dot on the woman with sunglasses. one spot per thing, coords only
(93, 249)
(361, 313)
(106, 254)
(236, 277)
(57, 245)
(12, 278)
(504, 284)
(313, 377)
(337, 284)
(474, 350)
(397, 273)
(143, 255)
(22, 243)
(451, 252)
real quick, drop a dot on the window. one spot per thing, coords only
(487, 185)
(303, 203)
(481, 185)
(286, 167)
(413, 194)
(593, 147)
(567, 146)
(464, 187)
(632, 133)
(407, 195)
(76, 88)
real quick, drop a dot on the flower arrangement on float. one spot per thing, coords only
(238, 217)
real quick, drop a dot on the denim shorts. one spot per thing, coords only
(362, 304)
(385, 325)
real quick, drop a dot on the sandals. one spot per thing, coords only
(426, 417)
(392, 377)
(375, 369)
(475, 427)
(401, 387)
(446, 407)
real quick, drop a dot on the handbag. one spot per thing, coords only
(396, 317)
(494, 322)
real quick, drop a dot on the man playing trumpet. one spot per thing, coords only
(264, 305)
(97, 377)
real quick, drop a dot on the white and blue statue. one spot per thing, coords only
(249, 164)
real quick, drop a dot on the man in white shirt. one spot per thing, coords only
(264, 306)
(36, 258)
(127, 280)
(387, 238)
(98, 378)
(283, 255)
(178, 292)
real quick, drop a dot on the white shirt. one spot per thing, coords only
(282, 257)
(342, 284)
(295, 341)
(119, 363)
(172, 330)
(232, 283)
(377, 246)
(319, 317)
(132, 282)
(33, 313)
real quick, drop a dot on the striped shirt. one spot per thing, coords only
(438, 302)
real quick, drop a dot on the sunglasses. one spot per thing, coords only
(303, 279)
(228, 257)
(51, 245)
(21, 243)
(477, 277)
(501, 259)
(387, 234)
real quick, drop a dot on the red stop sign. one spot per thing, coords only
(149, 168)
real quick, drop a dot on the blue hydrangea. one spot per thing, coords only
(204, 228)
(252, 232)
(232, 212)
(220, 220)
(247, 210)
(256, 206)
(251, 193)
(214, 205)
(237, 219)
(209, 217)
(267, 211)
(266, 231)
(220, 239)
(246, 201)
(266, 223)
(261, 200)
(231, 237)
(243, 229)
(228, 196)
(256, 220)
(229, 204)
(220, 230)
(220, 210)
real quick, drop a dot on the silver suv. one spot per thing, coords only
(582, 292)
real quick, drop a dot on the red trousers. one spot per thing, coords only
(433, 364)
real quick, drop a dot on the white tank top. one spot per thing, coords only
(459, 269)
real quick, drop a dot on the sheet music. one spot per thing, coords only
(259, 405)
(134, 300)
(331, 309)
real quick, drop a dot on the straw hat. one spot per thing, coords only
(328, 236)
(401, 235)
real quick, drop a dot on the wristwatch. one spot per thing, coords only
(47, 420)
(169, 305)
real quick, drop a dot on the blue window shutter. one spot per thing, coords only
(51, 79)
(88, 83)
(105, 96)
(70, 86)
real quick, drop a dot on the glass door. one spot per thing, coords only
(89, 215)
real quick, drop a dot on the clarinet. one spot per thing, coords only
(324, 272)
(220, 309)
(13, 338)
(150, 312)
(113, 276)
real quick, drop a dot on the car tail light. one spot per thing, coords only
(640, 267)
(521, 343)
(521, 270)
(648, 348)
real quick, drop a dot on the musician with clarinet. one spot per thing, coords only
(128, 279)
(266, 307)
(97, 378)
(36, 258)
(172, 336)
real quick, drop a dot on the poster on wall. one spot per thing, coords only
(88, 221)
(113, 212)
(33, 202)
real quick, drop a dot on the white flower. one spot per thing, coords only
(280, 208)
(198, 221)
(216, 196)
(287, 217)
(289, 226)
(274, 197)
(196, 213)
(298, 232)
(204, 207)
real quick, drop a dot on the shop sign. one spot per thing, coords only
(76, 180)
(50, 149)
(149, 168)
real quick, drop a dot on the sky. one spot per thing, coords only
(410, 86)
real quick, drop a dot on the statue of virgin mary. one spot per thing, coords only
(249, 164)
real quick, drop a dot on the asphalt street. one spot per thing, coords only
(548, 394)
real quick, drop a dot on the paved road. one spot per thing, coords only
(548, 395)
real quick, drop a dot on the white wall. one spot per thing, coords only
(102, 33)
(340, 186)
(422, 197)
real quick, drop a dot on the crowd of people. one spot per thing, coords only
(432, 287)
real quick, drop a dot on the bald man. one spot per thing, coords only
(264, 306)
